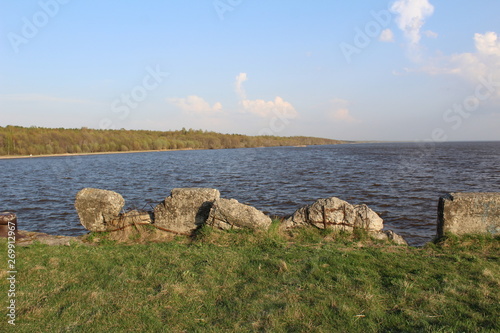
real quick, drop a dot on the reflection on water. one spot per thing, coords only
(400, 181)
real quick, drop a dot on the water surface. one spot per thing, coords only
(400, 181)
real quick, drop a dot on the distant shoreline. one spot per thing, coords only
(24, 142)
(9, 157)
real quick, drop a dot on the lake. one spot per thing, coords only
(400, 181)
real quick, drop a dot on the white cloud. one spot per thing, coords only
(262, 108)
(485, 61)
(339, 111)
(343, 115)
(410, 17)
(386, 36)
(242, 77)
(195, 104)
(488, 43)
(478, 67)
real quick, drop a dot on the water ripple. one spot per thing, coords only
(400, 181)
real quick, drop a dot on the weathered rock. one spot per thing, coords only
(398, 239)
(469, 213)
(185, 209)
(8, 222)
(133, 217)
(334, 213)
(230, 214)
(97, 208)
(389, 235)
(131, 227)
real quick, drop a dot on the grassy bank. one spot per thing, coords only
(238, 281)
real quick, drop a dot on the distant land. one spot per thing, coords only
(36, 141)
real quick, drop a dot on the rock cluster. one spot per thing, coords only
(187, 209)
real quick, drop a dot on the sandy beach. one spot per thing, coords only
(5, 157)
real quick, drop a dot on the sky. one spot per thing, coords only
(399, 70)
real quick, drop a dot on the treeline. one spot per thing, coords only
(16, 140)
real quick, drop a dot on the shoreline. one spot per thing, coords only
(10, 157)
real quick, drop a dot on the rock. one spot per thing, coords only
(133, 217)
(229, 213)
(8, 222)
(394, 237)
(336, 214)
(185, 209)
(131, 227)
(469, 213)
(389, 235)
(97, 208)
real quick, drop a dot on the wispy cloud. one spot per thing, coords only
(195, 104)
(430, 34)
(484, 61)
(386, 36)
(339, 111)
(242, 77)
(482, 66)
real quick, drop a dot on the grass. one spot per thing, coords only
(239, 281)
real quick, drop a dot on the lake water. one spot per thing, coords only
(400, 181)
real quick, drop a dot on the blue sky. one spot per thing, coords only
(355, 70)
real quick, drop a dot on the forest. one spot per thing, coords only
(17, 140)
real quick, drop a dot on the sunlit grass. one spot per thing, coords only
(306, 281)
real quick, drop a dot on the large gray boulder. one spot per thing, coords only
(469, 213)
(185, 209)
(98, 208)
(334, 213)
(230, 214)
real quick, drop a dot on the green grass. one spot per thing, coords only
(240, 281)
